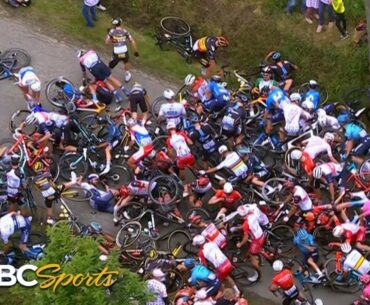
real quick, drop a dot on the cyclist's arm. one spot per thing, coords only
(214, 199)
(273, 288)
(349, 146)
(134, 45)
(46, 137)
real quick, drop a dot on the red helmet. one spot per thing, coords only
(309, 216)
(203, 181)
(123, 191)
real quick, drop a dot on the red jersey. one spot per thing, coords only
(284, 279)
(229, 199)
(307, 163)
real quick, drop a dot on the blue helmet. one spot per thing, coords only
(189, 263)
(302, 234)
(343, 118)
(276, 56)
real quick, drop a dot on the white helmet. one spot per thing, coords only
(30, 119)
(198, 240)
(296, 154)
(80, 52)
(329, 137)
(189, 79)
(158, 274)
(295, 97)
(338, 231)
(222, 149)
(242, 210)
(228, 188)
(312, 82)
(346, 248)
(317, 172)
(307, 105)
(36, 86)
(168, 94)
(171, 125)
(277, 265)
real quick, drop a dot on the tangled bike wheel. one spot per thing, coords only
(164, 190)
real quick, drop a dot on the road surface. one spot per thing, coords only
(52, 58)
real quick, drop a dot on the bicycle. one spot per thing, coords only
(358, 98)
(11, 61)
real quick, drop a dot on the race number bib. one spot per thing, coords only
(121, 50)
(228, 121)
(290, 291)
(48, 192)
(209, 145)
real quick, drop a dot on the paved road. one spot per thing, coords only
(52, 58)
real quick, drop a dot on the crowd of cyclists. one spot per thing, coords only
(253, 164)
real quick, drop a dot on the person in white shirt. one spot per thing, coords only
(327, 122)
(156, 287)
(329, 171)
(171, 111)
(30, 86)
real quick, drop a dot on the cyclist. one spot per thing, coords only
(330, 171)
(217, 96)
(198, 86)
(91, 61)
(206, 47)
(362, 202)
(199, 188)
(156, 286)
(327, 122)
(139, 135)
(312, 94)
(119, 37)
(171, 111)
(266, 80)
(30, 86)
(15, 185)
(284, 280)
(282, 69)
(228, 197)
(210, 253)
(306, 245)
(262, 218)
(113, 139)
(138, 96)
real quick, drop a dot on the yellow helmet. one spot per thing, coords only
(38, 166)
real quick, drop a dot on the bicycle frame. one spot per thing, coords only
(7, 65)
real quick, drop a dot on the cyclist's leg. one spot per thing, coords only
(114, 61)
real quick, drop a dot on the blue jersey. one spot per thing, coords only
(275, 95)
(201, 274)
(113, 133)
(314, 97)
(355, 132)
(309, 241)
(219, 92)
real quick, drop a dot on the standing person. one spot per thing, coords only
(89, 12)
(325, 4)
(158, 288)
(340, 19)
(30, 86)
(119, 37)
(291, 4)
(312, 10)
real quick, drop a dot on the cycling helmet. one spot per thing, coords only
(328, 136)
(295, 97)
(338, 231)
(228, 188)
(96, 227)
(216, 78)
(343, 118)
(276, 56)
(302, 234)
(189, 263)
(92, 177)
(171, 125)
(131, 122)
(345, 248)
(288, 184)
(312, 83)
(15, 159)
(80, 53)
(203, 181)
(242, 210)
(222, 41)
(266, 70)
(137, 85)
(309, 216)
(296, 154)
(36, 86)
(198, 240)
(307, 105)
(158, 274)
(30, 119)
(189, 79)
(277, 265)
(168, 94)
(117, 21)
(38, 166)
(317, 172)
(222, 149)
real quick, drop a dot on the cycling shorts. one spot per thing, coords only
(224, 270)
(330, 178)
(277, 116)
(308, 164)
(116, 58)
(256, 245)
(360, 235)
(15, 199)
(186, 161)
(363, 148)
(138, 99)
(103, 203)
(100, 71)
(143, 152)
(114, 142)
(307, 255)
(214, 105)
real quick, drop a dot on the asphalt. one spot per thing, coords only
(52, 58)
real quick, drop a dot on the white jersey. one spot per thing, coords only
(316, 146)
(178, 143)
(42, 117)
(331, 168)
(235, 164)
(172, 112)
(213, 234)
(159, 290)
(89, 59)
(89, 187)
(58, 119)
(351, 227)
(252, 226)
(330, 122)
(261, 217)
(13, 183)
(213, 254)
(355, 261)
(27, 76)
(9, 224)
(141, 135)
(292, 114)
(306, 203)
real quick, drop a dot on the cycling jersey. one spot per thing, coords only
(331, 169)
(353, 232)
(305, 204)
(100, 200)
(44, 182)
(302, 243)
(261, 217)
(330, 123)
(204, 136)
(139, 187)
(284, 280)
(159, 291)
(355, 133)
(218, 92)
(233, 118)
(140, 135)
(229, 199)
(199, 89)
(201, 274)
(276, 95)
(235, 164)
(356, 261)
(316, 146)
(211, 253)
(11, 223)
(172, 112)
(27, 76)
(252, 227)
(261, 83)
(114, 135)
(89, 60)
(213, 234)
(59, 120)
(178, 142)
(206, 45)
(14, 182)
(119, 37)
(313, 96)
(292, 114)
(283, 70)
(201, 190)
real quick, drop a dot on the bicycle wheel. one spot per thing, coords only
(22, 58)
(323, 239)
(245, 275)
(77, 194)
(128, 234)
(156, 106)
(117, 176)
(198, 211)
(324, 95)
(176, 241)
(273, 191)
(159, 143)
(71, 224)
(55, 93)
(281, 237)
(8, 148)
(175, 26)
(17, 118)
(90, 121)
(72, 162)
(164, 190)
(129, 212)
(364, 171)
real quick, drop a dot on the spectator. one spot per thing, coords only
(325, 4)
(340, 20)
(312, 10)
(101, 6)
(291, 5)
(89, 11)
